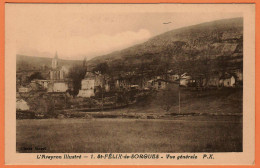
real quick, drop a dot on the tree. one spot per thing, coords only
(205, 65)
(168, 97)
(102, 67)
(122, 98)
(35, 75)
(76, 73)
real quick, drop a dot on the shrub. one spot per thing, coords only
(168, 97)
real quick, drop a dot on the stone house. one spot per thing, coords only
(185, 79)
(214, 81)
(42, 83)
(239, 74)
(58, 86)
(22, 105)
(198, 81)
(24, 89)
(227, 80)
(87, 85)
(157, 84)
(174, 77)
(160, 84)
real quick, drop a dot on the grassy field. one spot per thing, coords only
(216, 101)
(181, 134)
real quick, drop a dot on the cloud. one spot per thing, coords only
(76, 47)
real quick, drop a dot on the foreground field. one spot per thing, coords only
(181, 134)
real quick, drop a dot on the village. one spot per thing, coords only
(175, 90)
(100, 92)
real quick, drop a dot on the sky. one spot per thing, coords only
(83, 30)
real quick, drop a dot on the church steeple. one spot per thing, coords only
(56, 72)
(54, 63)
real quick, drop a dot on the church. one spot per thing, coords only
(56, 72)
(57, 83)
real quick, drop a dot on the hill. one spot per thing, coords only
(216, 45)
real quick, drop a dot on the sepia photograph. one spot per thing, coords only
(146, 83)
(122, 78)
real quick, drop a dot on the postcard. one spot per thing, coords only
(129, 84)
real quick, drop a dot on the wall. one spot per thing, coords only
(60, 87)
(87, 84)
(86, 93)
(23, 90)
(183, 82)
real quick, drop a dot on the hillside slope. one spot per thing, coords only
(220, 40)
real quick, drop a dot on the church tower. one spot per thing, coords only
(54, 63)
(56, 73)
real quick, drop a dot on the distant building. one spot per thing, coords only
(149, 83)
(123, 83)
(99, 83)
(157, 84)
(22, 105)
(36, 86)
(59, 86)
(174, 77)
(184, 80)
(107, 87)
(160, 84)
(87, 86)
(198, 81)
(57, 82)
(134, 87)
(24, 89)
(56, 72)
(88, 83)
(214, 81)
(42, 83)
(106, 83)
(227, 80)
(239, 74)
